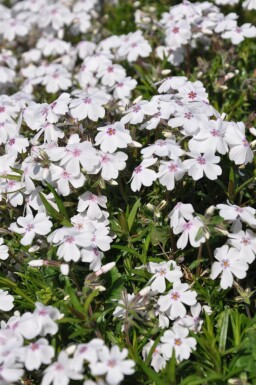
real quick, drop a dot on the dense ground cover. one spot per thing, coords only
(127, 186)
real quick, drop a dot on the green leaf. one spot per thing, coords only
(58, 201)
(133, 213)
(231, 184)
(54, 213)
(223, 326)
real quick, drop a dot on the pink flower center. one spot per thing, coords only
(44, 111)
(111, 363)
(188, 115)
(11, 184)
(87, 100)
(76, 152)
(239, 209)
(201, 160)
(215, 132)
(246, 241)
(83, 349)
(173, 167)
(134, 45)
(192, 95)
(161, 143)
(110, 69)
(111, 131)
(120, 84)
(29, 228)
(175, 296)
(93, 198)
(2, 109)
(105, 159)
(11, 142)
(69, 239)
(65, 175)
(162, 271)
(176, 30)
(225, 263)
(245, 142)
(187, 225)
(43, 312)
(53, 105)
(138, 169)
(177, 342)
(136, 109)
(238, 30)
(59, 367)
(34, 346)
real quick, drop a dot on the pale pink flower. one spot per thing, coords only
(172, 304)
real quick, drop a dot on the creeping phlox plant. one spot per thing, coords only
(126, 195)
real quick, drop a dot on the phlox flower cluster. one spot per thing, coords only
(25, 345)
(76, 139)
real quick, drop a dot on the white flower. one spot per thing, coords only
(92, 203)
(210, 138)
(113, 364)
(191, 92)
(201, 164)
(142, 175)
(193, 321)
(178, 33)
(74, 155)
(181, 211)
(30, 226)
(110, 164)
(172, 303)
(162, 147)
(6, 301)
(134, 46)
(124, 87)
(88, 105)
(60, 372)
(4, 251)
(162, 271)
(10, 373)
(177, 340)
(112, 137)
(65, 178)
(158, 362)
(70, 241)
(240, 150)
(45, 317)
(86, 352)
(135, 114)
(232, 212)
(229, 264)
(238, 34)
(169, 172)
(172, 83)
(36, 353)
(189, 230)
(245, 242)
(111, 74)
(249, 4)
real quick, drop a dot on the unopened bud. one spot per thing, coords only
(104, 269)
(36, 263)
(210, 210)
(70, 349)
(137, 100)
(33, 248)
(252, 131)
(165, 72)
(144, 291)
(64, 268)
